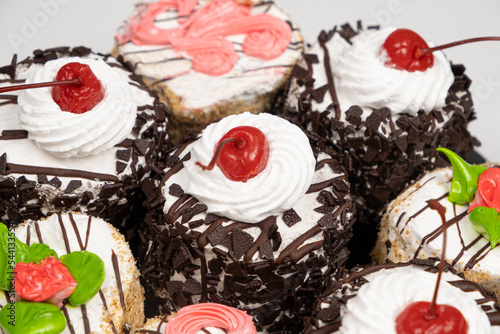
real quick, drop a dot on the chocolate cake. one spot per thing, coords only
(245, 244)
(387, 125)
(39, 176)
(368, 300)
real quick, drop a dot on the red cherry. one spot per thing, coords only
(431, 318)
(241, 154)
(406, 50)
(77, 99)
(415, 319)
(401, 46)
(48, 281)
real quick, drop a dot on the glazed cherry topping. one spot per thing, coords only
(406, 50)
(424, 317)
(415, 319)
(78, 99)
(241, 154)
(401, 46)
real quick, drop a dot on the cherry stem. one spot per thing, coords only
(75, 82)
(420, 52)
(435, 205)
(239, 144)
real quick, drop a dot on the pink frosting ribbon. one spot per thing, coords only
(191, 319)
(202, 36)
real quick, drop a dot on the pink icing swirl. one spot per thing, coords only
(488, 190)
(190, 319)
(205, 31)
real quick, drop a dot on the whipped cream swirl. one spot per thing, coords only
(361, 77)
(379, 302)
(277, 188)
(65, 134)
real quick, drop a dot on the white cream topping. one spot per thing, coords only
(65, 134)
(248, 79)
(102, 241)
(362, 78)
(406, 225)
(389, 291)
(285, 179)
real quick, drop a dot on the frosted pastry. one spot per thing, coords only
(370, 300)
(410, 230)
(388, 121)
(210, 59)
(53, 160)
(264, 245)
(107, 297)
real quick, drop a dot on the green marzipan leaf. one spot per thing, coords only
(38, 252)
(24, 317)
(465, 176)
(88, 271)
(12, 251)
(486, 221)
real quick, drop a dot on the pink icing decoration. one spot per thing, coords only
(202, 36)
(48, 281)
(488, 190)
(190, 319)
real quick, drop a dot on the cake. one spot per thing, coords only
(410, 230)
(369, 300)
(116, 305)
(387, 121)
(210, 59)
(265, 245)
(94, 162)
(205, 318)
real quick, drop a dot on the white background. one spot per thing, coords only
(31, 24)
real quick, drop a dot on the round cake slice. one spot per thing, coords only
(388, 121)
(411, 230)
(53, 160)
(210, 59)
(370, 299)
(117, 304)
(264, 245)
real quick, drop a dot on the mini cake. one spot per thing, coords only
(205, 318)
(115, 306)
(410, 230)
(388, 121)
(370, 300)
(210, 59)
(53, 160)
(264, 245)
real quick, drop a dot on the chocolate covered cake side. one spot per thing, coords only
(53, 160)
(387, 128)
(244, 244)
